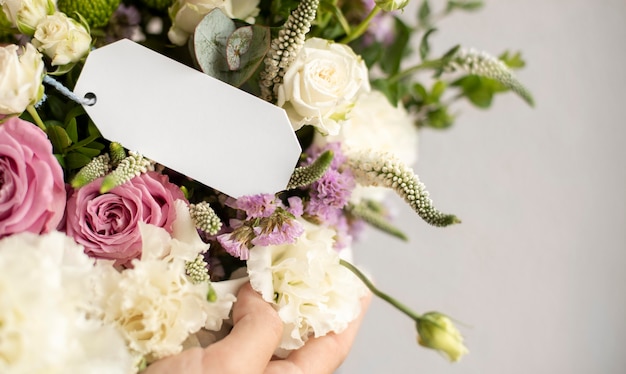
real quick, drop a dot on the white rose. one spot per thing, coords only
(377, 125)
(62, 39)
(187, 14)
(26, 14)
(321, 85)
(312, 292)
(20, 78)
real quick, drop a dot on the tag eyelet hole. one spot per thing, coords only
(92, 98)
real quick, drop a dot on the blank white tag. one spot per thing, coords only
(188, 121)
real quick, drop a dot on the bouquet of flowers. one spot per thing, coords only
(132, 258)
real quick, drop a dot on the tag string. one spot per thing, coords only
(89, 99)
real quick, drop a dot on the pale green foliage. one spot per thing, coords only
(305, 175)
(130, 167)
(98, 167)
(286, 46)
(372, 168)
(204, 218)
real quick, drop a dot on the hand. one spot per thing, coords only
(255, 335)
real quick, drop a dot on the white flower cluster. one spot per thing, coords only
(54, 34)
(154, 304)
(45, 324)
(75, 316)
(311, 291)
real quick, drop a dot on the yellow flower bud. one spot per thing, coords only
(436, 331)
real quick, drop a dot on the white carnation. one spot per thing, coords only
(154, 304)
(322, 84)
(311, 291)
(44, 292)
(62, 39)
(155, 307)
(375, 124)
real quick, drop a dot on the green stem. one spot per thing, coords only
(398, 305)
(33, 113)
(414, 69)
(362, 27)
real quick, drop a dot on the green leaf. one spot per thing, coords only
(60, 159)
(479, 90)
(58, 137)
(440, 118)
(420, 91)
(424, 45)
(229, 54)
(371, 214)
(89, 152)
(92, 130)
(72, 130)
(392, 56)
(423, 14)
(76, 160)
(57, 107)
(438, 89)
(464, 5)
(513, 61)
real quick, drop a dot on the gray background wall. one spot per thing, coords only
(535, 273)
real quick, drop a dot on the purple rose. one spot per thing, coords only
(107, 224)
(32, 190)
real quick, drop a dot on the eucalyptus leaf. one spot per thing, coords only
(209, 41)
(226, 52)
(238, 44)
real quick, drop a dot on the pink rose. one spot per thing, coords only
(107, 224)
(32, 191)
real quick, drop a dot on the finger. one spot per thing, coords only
(256, 333)
(321, 355)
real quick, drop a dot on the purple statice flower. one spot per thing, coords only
(233, 246)
(257, 206)
(280, 231)
(295, 206)
(237, 243)
(330, 193)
